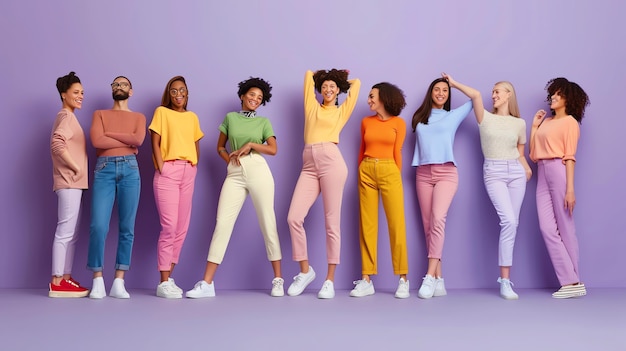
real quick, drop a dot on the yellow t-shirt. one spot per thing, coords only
(179, 132)
(322, 123)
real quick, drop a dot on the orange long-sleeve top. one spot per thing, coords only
(382, 139)
(556, 138)
(117, 132)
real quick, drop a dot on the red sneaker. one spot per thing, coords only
(67, 288)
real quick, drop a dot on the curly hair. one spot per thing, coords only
(423, 112)
(65, 82)
(339, 76)
(166, 99)
(254, 82)
(576, 100)
(391, 97)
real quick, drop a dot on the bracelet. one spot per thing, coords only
(221, 150)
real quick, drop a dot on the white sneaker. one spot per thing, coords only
(277, 287)
(362, 288)
(440, 288)
(300, 282)
(568, 291)
(176, 287)
(403, 289)
(201, 289)
(427, 289)
(97, 289)
(118, 290)
(506, 289)
(168, 290)
(327, 291)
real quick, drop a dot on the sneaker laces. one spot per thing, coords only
(73, 283)
(277, 282)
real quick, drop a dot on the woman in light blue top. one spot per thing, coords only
(435, 125)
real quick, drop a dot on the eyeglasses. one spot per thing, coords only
(174, 92)
(122, 85)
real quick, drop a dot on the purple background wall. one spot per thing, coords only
(217, 44)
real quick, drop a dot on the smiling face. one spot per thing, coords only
(500, 96)
(373, 100)
(178, 94)
(73, 97)
(251, 100)
(440, 94)
(329, 90)
(557, 101)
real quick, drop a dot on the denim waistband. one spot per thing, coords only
(117, 158)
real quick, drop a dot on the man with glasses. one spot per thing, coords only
(116, 134)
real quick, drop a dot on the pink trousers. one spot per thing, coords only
(325, 171)
(436, 186)
(173, 192)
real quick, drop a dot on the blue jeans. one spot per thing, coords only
(115, 178)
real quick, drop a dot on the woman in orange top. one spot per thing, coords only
(380, 165)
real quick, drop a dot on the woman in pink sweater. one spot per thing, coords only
(69, 174)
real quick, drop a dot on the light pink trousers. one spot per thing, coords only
(436, 186)
(324, 170)
(173, 193)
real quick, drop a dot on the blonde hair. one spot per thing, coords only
(513, 107)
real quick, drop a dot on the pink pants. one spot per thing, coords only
(436, 185)
(556, 225)
(325, 171)
(173, 192)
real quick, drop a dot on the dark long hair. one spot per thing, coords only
(576, 100)
(166, 100)
(423, 112)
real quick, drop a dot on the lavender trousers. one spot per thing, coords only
(505, 181)
(556, 224)
(66, 234)
(324, 170)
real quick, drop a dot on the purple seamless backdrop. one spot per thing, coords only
(217, 44)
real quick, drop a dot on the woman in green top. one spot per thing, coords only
(248, 173)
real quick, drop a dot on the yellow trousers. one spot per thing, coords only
(382, 176)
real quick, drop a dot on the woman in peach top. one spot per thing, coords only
(553, 143)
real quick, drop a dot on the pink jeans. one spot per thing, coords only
(173, 192)
(436, 185)
(325, 171)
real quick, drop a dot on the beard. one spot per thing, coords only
(120, 95)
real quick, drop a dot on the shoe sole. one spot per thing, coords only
(397, 296)
(170, 296)
(64, 294)
(438, 294)
(362, 295)
(425, 297)
(570, 295)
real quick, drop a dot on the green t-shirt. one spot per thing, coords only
(241, 130)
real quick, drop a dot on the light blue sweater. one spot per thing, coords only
(434, 141)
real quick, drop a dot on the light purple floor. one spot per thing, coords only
(252, 320)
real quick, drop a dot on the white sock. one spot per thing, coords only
(97, 289)
(118, 290)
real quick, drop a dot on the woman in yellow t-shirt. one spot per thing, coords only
(175, 134)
